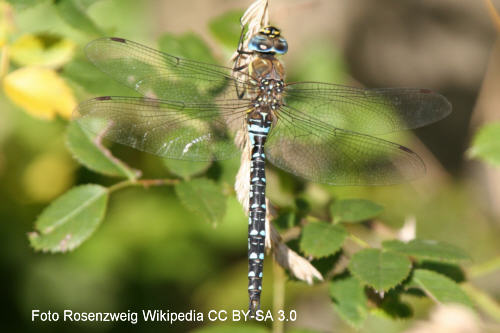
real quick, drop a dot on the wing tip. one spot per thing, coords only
(443, 102)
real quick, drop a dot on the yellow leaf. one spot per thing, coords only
(48, 176)
(39, 91)
(42, 50)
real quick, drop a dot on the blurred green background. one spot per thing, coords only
(152, 253)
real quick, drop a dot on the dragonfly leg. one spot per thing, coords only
(240, 68)
(239, 93)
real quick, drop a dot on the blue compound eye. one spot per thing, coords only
(280, 46)
(260, 44)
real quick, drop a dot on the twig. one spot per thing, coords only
(142, 182)
(495, 16)
(279, 279)
(484, 268)
(359, 241)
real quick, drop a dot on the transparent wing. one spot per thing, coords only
(155, 74)
(186, 131)
(314, 150)
(370, 111)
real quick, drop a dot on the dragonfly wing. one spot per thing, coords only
(317, 151)
(369, 111)
(156, 74)
(185, 131)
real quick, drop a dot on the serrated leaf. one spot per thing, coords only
(379, 269)
(73, 13)
(90, 152)
(188, 46)
(226, 28)
(186, 169)
(349, 300)
(39, 91)
(204, 197)
(70, 219)
(427, 249)
(355, 210)
(42, 50)
(322, 239)
(439, 287)
(486, 144)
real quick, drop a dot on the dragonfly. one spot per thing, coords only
(322, 132)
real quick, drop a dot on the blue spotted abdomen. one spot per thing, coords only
(258, 128)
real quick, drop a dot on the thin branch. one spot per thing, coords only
(279, 279)
(484, 268)
(359, 241)
(142, 182)
(495, 16)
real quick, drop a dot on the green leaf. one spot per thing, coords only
(379, 269)
(452, 271)
(188, 46)
(439, 287)
(349, 300)
(70, 219)
(322, 239)
(486, 144)
(204, 197)
(186, 169)
(354, 210)
(72, 12)
(226, 28)
(89, 151)
(427, 249)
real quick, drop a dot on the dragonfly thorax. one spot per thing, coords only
(268, 67)
(269, 95)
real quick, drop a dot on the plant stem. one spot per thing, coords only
(142, 182)
(484, 268)
(278, 295)
(484, 301)
(359, 241)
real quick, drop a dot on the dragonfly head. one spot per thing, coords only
(268, 40)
